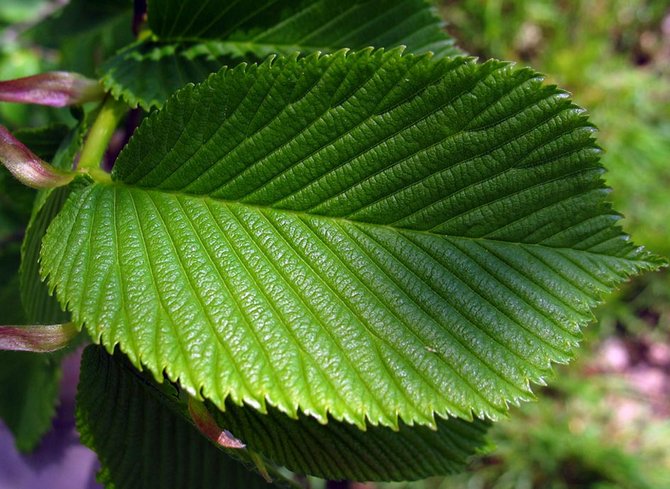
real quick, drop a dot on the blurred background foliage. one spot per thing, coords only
(605, 421)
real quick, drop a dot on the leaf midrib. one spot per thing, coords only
(292, 212)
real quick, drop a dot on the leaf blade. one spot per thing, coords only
(122, 420)
(291, 295)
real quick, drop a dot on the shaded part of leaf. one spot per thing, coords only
(40, 307)
(44, 141)
(341, 451)
(145, 74)
(119, 417)
(29, 384)
(262, 27)
(15, 203)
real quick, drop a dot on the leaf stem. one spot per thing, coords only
(97, 140)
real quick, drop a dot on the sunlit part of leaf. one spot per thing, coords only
(367, 235)
(142, 443)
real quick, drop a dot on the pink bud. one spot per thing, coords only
(40, 339)
(56, 88)
(206, 423)
(27, 167)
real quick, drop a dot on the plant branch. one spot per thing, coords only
(97, 140)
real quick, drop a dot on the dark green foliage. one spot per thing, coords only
(142, 443)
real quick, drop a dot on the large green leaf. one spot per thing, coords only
(141, 442)
(369, 235)
(194, 42)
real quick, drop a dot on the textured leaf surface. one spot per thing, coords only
(141, 443)
(198, 41)
(262, 27)
(342, 451)
(39, 306)
(146, 73)
(369, 235)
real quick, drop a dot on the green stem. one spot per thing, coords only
(97, 140)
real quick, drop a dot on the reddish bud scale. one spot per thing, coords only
(56, 89)
(27, 167)
(41, 339)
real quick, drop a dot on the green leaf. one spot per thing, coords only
(15, 204)
(29, 385)
(341, 451)
(146, 73)
(262, 27)
(120, 417)
(39, 305)
(10, 255)
(369, 235)
(43, 141)
(194, 42)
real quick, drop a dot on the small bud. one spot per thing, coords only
(27, 167)
(56, 88)
(41, 339)
(206, 423)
